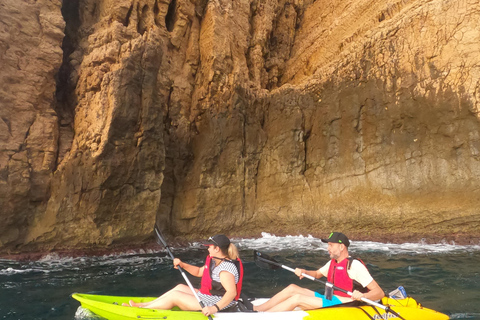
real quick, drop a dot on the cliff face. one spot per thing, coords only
(237, 117)
(30, 55)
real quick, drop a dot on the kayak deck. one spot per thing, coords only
(110, 307)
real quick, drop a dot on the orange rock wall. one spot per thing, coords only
(237, 117)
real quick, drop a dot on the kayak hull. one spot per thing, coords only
(110, 307)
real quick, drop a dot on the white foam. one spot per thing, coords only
(12, 271)
(52, 263)
(128, 262)
(85, 314)
(310, 243)
(464, 315)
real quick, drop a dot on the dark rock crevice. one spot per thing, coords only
(126, 22)
(143, 19)
(171, 15)
(66, 78)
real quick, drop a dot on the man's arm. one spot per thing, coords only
(361, 274)
(322, 272)
(313, 273)
(374, 293)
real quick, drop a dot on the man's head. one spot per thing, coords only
(337, 237)
(337, 245)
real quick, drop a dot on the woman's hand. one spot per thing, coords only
(207, 311)
(176, 263)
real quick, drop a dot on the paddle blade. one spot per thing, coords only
(264, 261)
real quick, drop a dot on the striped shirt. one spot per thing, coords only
(223, 266)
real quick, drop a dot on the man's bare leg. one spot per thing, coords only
(283, 295)
(304, 302)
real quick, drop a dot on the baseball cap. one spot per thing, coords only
(218, 240)
(337, 237)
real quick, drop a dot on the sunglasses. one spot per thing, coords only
(213, 240)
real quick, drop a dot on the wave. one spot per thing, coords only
(110, 264)
(310, 243)
(12, 271)
(128, 261)
(85, 314)
(465, 315)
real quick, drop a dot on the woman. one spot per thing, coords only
(221, 283)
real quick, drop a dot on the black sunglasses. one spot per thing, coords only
(213, 240)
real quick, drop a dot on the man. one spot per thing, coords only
(343, 271)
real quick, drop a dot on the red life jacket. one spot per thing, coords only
(210, 287)
(338, 275)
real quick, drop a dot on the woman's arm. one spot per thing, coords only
(228, 282)
(193, 270)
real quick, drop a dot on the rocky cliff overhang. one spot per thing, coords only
(237, 117)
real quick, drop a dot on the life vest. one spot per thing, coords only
(215, 288)
(338, 275)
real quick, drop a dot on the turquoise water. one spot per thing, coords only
(444, 277)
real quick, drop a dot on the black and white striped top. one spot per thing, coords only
(223, 266)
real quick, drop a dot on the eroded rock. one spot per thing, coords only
(238, 117)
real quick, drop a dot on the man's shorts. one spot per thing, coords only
(328, 303)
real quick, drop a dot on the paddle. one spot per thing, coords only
(158, 236)
(264, 261)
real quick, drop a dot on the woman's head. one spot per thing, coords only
(223, 243)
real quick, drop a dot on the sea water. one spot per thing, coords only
(444, 277)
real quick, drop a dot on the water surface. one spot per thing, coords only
(444, 277)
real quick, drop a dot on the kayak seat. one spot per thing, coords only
(243, 304)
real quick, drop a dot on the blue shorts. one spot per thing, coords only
(328, 303)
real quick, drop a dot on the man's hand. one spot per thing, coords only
(299, 272)
(357, 295)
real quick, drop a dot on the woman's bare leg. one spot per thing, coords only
(181, 288)
(185, 301)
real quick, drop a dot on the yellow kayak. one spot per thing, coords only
(110, 307)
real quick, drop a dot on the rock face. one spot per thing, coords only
(237, 117)
(31, 33)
